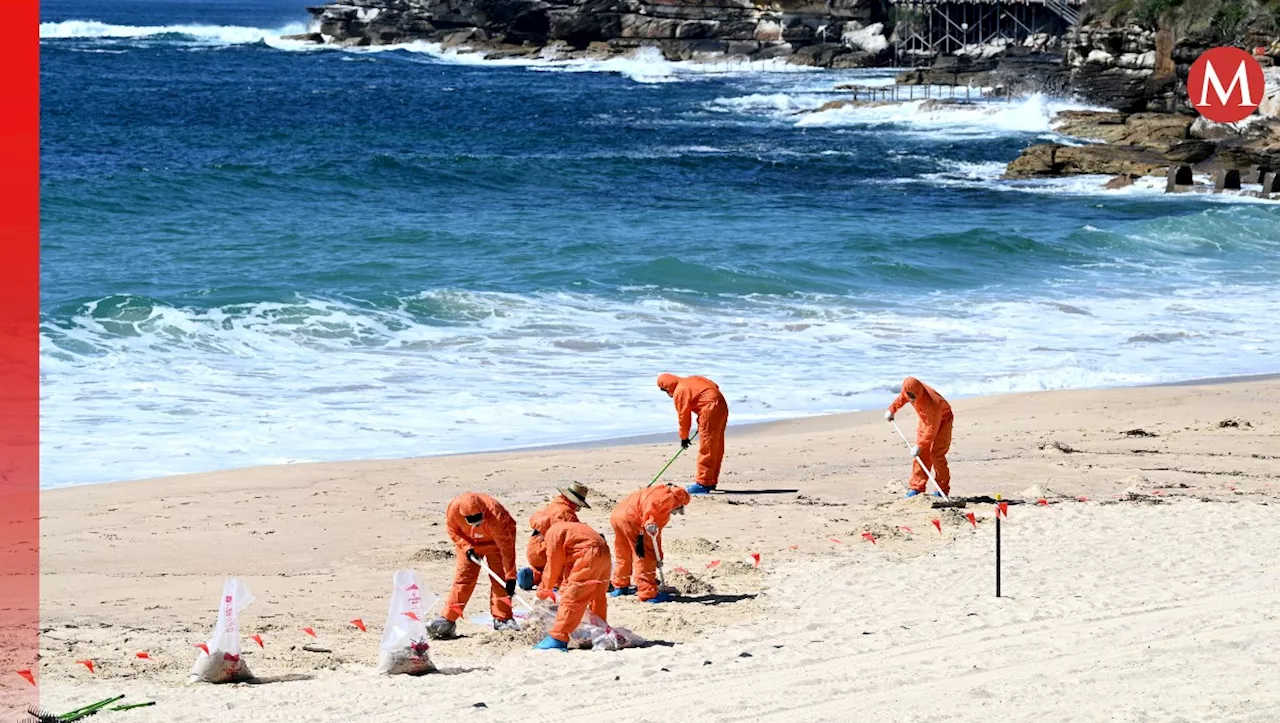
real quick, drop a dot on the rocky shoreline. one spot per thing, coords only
(1116, 58)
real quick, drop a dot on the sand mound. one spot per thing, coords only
(692, 546)
(436, 553)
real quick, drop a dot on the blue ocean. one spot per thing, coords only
(260, 252)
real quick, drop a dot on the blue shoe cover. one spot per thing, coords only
(620, 591)
(697, 489)
(661, 598)
(524, 578)
(911, 493)
(550, 643)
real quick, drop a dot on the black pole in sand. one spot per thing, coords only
(997, 545)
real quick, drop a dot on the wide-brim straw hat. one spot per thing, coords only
(576, 493)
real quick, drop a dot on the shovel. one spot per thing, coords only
(662, 576)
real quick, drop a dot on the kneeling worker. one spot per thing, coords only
(578, 567)
(564, 508)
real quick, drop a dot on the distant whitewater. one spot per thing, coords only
(256, 252)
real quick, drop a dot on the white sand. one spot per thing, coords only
(1161, 608)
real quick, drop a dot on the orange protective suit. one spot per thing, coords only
(933, 432)
(700, 396)
(577, 564)
(559, 510)
(649, 505)
(494, 541)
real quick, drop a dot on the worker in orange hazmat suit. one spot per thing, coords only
(578, 569)
(481, 529)
(933, 434)
(700, 396)
(564, 508)
(637, 525)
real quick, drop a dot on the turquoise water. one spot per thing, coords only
(255, 252)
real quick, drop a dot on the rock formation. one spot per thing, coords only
(835, 33)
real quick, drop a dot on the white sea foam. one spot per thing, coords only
(221, 34)
(982, 119)
(324, 379)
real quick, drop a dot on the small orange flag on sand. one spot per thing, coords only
(906, 529)
(309, 631)
(681, 569)
(713, 564)
(835, 541)
(203, 647)
(869, 537)
(144, 655)
(793, 547)
(1082, 498)
(27, 674)
(937, 524)
(87, 663)
(258, 639)
(359, 624)
(972, 520)
(755, 558)
(1042, 502)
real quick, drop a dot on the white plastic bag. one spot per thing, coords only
(596, 634)
(403, 649)
(220, 661)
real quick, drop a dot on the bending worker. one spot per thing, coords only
(564, 508)
(933, 434)
(700, 396)
(481, 529)
(637, 539)
(578, 567)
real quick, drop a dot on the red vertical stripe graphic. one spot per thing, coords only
(19, 360)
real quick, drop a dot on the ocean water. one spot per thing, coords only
(257, 252)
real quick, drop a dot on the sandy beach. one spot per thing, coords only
(1147, 590)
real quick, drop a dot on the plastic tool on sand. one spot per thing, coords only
(43, 716)
(916, 457)
(668, 464)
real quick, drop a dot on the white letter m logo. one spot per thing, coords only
(1241, 78)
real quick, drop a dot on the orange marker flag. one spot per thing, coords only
(359, 624)
(869, 537)
(258, 639)
(681, 569)
(713, 564)
(414, 616)
(1002, 509)
(1042, 502)
(203, 647)
(755, 557)
(1082, 498)
(309, 631)
(27, 674)
(972, 520)
(144, 655)
(793, 547)
(906, 529)
(832, 539)
(87, 663)
(937, 524)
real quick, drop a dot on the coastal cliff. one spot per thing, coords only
(837, 33)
